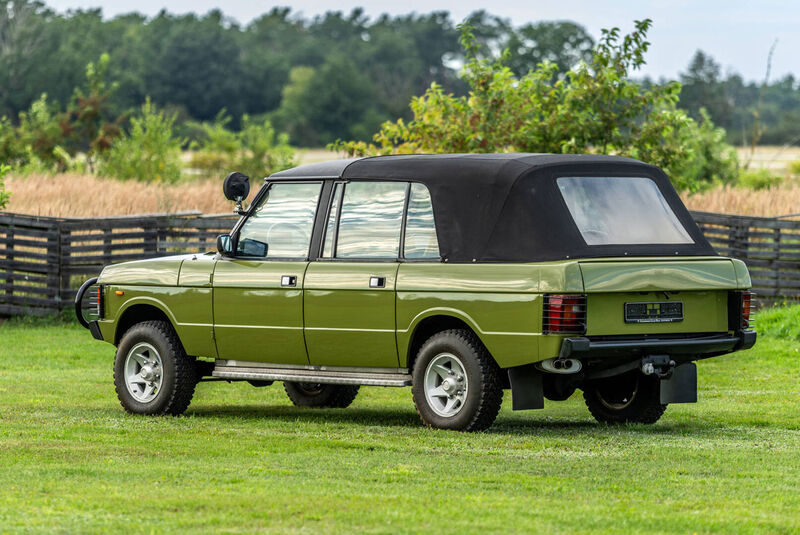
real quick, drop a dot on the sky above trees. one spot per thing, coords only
(737, 33)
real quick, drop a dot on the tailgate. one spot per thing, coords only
(657, 297)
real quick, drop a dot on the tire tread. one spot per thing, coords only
(185, 379)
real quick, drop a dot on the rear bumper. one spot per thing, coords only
(700, 346)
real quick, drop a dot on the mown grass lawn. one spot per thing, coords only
(244, 460)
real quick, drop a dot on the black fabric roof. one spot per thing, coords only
(507, 207)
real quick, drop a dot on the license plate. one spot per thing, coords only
(659, 312)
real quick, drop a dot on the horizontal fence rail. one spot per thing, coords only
(43, 260)
(769, 246)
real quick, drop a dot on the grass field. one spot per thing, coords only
(244, 460)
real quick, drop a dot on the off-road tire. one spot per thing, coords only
(485, 391)
(321, 396)
(179, 369)
(642, 405)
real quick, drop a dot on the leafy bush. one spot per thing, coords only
(4, 195)
(149, 151)
(11, 150)
(759, 179)
(256, 150)
(708, 158)
(596, 107)
(39, 133)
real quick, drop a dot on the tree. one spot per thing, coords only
(564, 43)
(330, 102)
(702, 87)
(21, 40)
(90, 118)
(596, 107)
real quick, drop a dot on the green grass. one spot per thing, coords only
(244, 460)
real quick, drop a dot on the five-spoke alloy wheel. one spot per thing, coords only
(456, 383)
(152, 373)
(143, 372)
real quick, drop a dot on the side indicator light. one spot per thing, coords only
(119, 292)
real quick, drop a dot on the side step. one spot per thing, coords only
(309, 374)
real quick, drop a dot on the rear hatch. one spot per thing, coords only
(635, 297)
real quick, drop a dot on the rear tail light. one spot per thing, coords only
(564, 314)
(740, 307)
(747, 308)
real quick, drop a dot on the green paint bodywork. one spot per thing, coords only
(238, 309)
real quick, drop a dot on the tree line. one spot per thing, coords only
(333, 76)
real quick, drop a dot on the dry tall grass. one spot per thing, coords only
(770, 202)
(70, 195)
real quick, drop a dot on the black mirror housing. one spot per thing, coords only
(224, 244)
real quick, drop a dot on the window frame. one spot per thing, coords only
(323, 224)
(268, 184)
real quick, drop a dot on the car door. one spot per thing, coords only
(349, 292)
(258, 296)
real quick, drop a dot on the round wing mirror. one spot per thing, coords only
(236, 187)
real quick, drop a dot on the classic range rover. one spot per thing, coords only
(458, 275)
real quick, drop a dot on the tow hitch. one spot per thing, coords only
(659, 365)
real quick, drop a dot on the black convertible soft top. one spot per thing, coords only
(507, 207)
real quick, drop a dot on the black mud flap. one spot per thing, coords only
(526, 387)
(681, 387)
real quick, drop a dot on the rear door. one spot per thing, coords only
(258, 296)
(350, 292)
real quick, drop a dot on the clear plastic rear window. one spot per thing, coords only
(621, 211)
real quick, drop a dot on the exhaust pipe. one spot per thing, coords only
(559, 365)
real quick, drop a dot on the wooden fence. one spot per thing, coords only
(769, 246)
(43, 260)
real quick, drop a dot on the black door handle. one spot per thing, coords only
(289, 280)
(377, 282)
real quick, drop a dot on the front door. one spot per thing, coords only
(258, 292)
(350, 292)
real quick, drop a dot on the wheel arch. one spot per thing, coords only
(139, 310)
(431, 322)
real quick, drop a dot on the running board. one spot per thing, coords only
(302, 375)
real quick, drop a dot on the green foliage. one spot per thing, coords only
(39, 133)
(759, 179)
(781, 322)
(596, 107)
(90, 117)
(794, 167)
(11, 150)
(149, 151)
(256, 150)
(4, 195)
(708, 159)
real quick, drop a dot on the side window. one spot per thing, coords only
(281, 224)
(330, 227)
(421, 241)
(371, 220)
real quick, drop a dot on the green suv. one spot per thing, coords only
(458, 275)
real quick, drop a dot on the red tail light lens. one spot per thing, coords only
(747, 308)
(564, 314)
